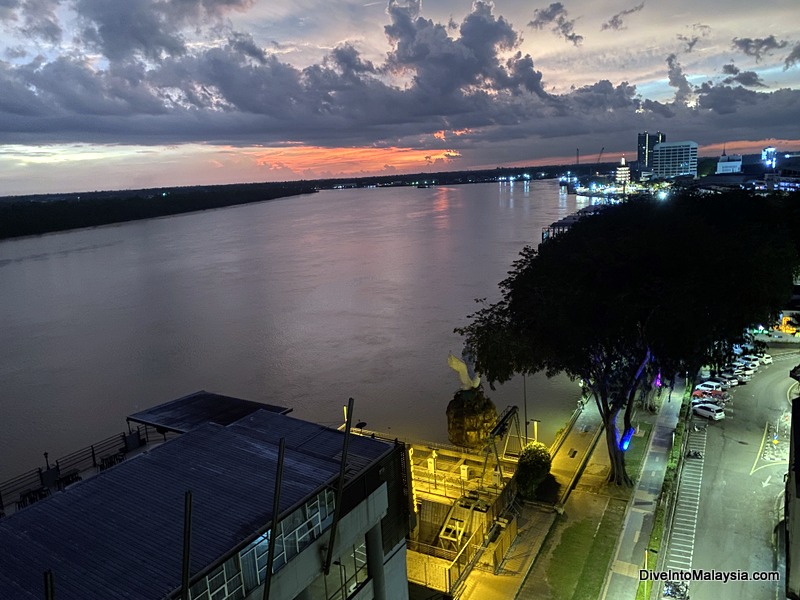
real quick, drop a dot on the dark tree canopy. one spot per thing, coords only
(644, 286)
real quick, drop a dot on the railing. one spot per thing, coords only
(33, 485)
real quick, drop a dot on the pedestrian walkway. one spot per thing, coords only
(623, 578)
(575, 451)
(570, 456)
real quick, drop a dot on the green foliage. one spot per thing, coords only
(641, 275)
(643, 287)
(532, 468)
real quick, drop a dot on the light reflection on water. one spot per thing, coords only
(301, 302)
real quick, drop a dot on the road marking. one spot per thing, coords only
(760, 449)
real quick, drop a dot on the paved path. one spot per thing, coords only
(622, 580)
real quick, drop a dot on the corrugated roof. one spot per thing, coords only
(194, 410)
(119, 534)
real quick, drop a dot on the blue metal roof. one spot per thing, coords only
(194, 410)
(119, 534)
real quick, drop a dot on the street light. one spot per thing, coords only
(525, 400)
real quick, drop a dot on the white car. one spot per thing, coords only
(766, 359)
(709, 411)
(742, 376)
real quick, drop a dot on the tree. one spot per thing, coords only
(641, 288)
(532, 468)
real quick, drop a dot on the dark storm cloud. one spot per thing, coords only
(745, 78)
(678, 80)
(244, 44)
(730, 69)
(158, 89)
(149, 28)
(556, 17)
(443, 66)
(604, 96)
(615, 22)
(758, 47)
(793, 58)
(724, 99)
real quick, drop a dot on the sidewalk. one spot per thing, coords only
(535, 522)
(622, 580)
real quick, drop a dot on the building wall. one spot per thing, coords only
(646, 143)
(675, 159)
(306, 568)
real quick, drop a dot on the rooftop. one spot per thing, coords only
(119, 534)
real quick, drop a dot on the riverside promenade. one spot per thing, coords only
(572, 452)
(580, 467)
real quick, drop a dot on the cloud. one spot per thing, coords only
(442, 67)
(150, 28)
(698, 31)
(745, 78)
(793, 58)
(615, 22)
(678, 80)
(556, 17)
(758, 48)
(197, 76)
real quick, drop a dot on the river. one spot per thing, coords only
(301, 302)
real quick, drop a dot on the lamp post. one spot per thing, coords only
(525, 401)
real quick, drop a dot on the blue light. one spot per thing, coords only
(625, 441)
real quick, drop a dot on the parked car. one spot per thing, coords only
(752, 364)
(707, 400)
(729, 379)
(765, 359)
(709, 386)
(747, 370)
(753, 358)
(742, 376)
(732, 376)
(711, 396)
(723, 382)
(709, 411)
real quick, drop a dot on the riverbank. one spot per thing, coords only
(36, 215)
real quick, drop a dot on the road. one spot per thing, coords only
(740, 483)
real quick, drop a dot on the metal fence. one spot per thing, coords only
(36, 484)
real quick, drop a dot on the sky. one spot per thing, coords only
(109, 94)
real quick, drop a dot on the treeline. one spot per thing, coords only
(33, 215)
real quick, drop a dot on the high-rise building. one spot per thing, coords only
(675, 159)
(648, 141)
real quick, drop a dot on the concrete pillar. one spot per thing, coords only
(375, 562)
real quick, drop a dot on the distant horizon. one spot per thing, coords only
(586, 160)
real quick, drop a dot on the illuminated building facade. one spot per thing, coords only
(675, 159)
(646, 143)
(729, 163)
(622, 175)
